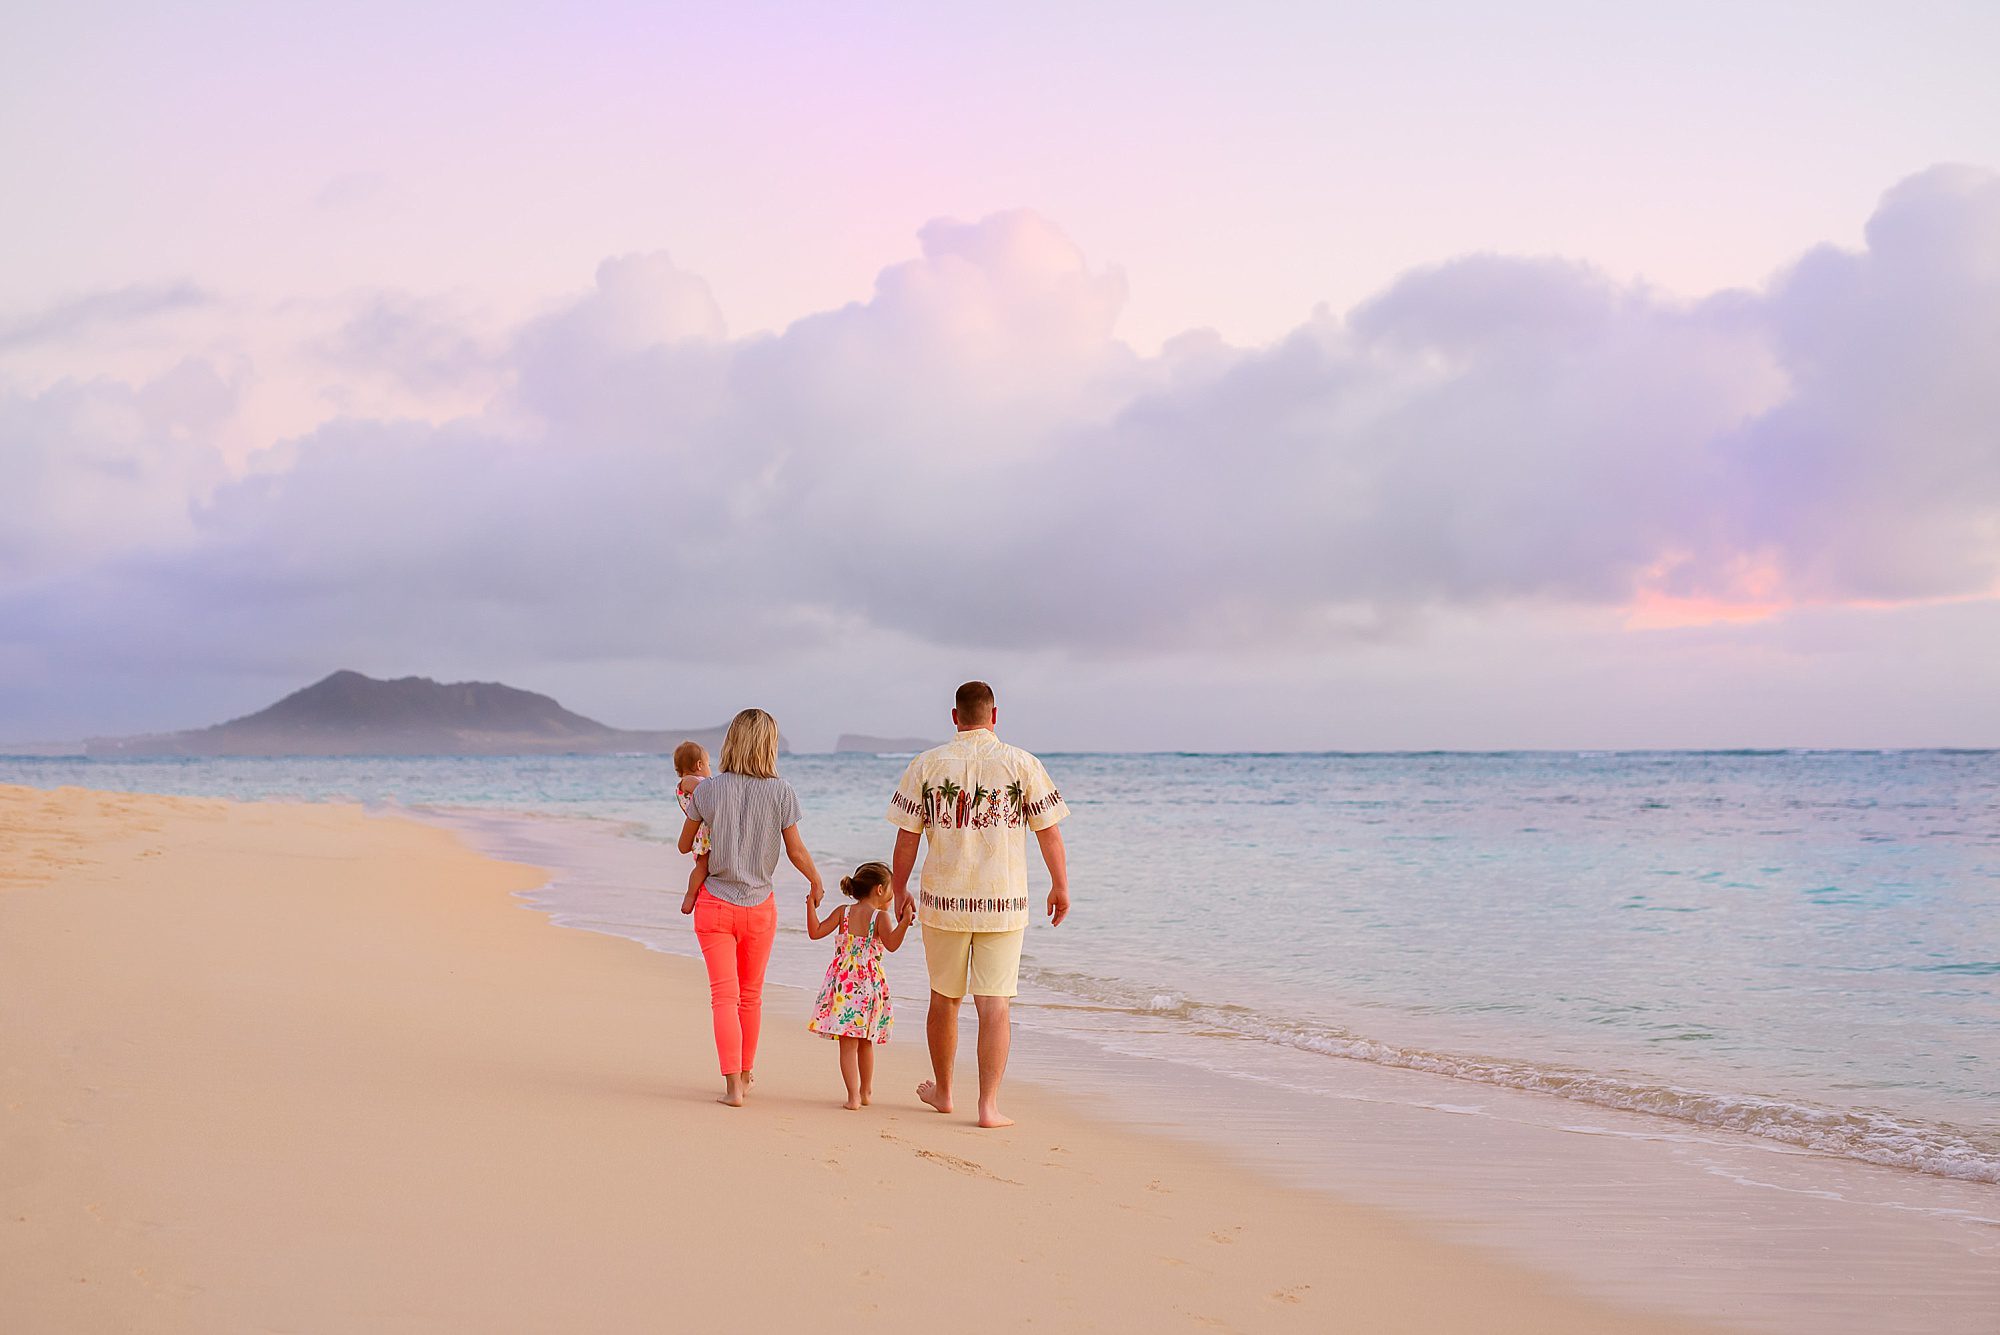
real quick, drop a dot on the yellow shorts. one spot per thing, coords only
(991, 960)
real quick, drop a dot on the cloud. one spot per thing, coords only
(78, 316)
(99, 469)
(971, 459)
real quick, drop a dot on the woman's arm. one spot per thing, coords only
(689, 829)
(892, 936)
(795, 849)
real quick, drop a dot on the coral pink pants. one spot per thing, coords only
(735, 945)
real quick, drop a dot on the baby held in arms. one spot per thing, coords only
(691, 764)
(853, 1003)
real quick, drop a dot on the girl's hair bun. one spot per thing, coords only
(867, 877)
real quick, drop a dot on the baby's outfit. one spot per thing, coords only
(687, 809)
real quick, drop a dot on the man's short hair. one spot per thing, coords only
(975, 702)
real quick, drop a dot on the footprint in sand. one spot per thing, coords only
(967, 1166)
(1295, 1294)
(952, 1161)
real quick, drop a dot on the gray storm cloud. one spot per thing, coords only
(971, 458)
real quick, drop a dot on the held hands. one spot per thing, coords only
(1058, 904)
(814, 893)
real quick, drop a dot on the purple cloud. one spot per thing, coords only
(971, 458)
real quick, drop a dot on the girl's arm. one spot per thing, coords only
(816, 926)
(795, 849)
(689, 829)
(892, 936)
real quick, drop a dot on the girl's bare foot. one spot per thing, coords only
(935, 1097)
(854, 1104)
(867, 1097)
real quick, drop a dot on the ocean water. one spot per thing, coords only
(1802, 947)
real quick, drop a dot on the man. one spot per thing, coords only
(971, 797)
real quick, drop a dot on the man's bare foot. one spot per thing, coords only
(993, 1118)
(935, 1097)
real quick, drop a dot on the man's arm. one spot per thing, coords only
(1057, 860)
(900, 866)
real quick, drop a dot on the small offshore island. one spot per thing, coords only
(350, 714)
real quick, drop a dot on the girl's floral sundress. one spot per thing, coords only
(854, 1000)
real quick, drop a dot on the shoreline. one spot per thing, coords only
(301, 1066)
(1782, 1238)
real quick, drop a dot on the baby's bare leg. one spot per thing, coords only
(850, 1071)
(697, 877)
(867, 1070)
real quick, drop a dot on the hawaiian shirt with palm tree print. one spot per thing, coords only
(973, 799)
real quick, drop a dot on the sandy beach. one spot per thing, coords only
(300, 1067)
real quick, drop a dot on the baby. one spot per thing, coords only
(691, 764)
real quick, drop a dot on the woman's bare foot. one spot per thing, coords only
(935, 1097)
(749, 1079)
(732, 1091)
(991, 1117)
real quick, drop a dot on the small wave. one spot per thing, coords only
(1868, 1136)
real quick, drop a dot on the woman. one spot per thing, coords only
(750, 813)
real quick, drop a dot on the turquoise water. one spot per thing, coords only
(1801, 946)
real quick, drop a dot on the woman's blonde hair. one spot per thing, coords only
(750, 747)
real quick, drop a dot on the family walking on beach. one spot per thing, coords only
(970, 801)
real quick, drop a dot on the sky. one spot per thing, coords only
(1350, 377)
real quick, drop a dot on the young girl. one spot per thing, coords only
(691, 764)
(854, 1001)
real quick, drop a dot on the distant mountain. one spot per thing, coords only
(349, 714)
(883, 746)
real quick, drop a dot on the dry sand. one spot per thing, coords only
(300, 1068)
